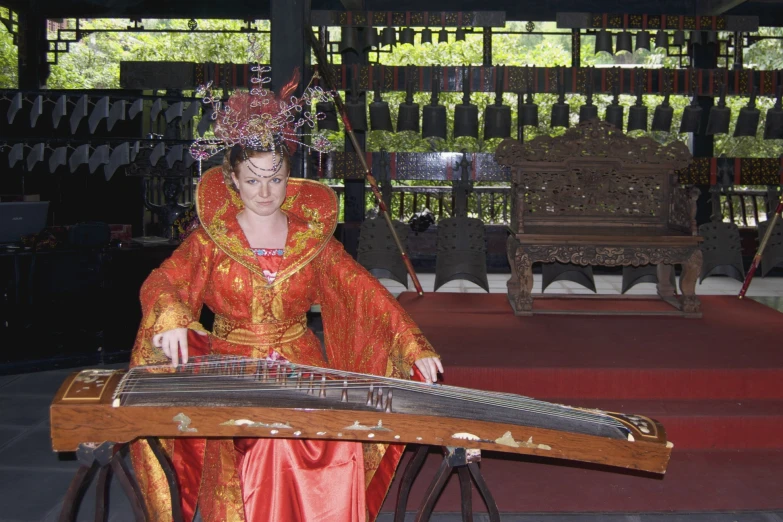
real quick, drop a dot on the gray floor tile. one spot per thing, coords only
(40, 383)
(119, 506)
(23, 410)
(8, 433)
(6, 379)
(30, 495)
(773, 302)
(34, 450)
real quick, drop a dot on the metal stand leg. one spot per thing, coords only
(102, 494)
(75, 492)
(411, 470)
(466, 463)
(466, 494)
(107, 458)
(434, 491)
(478, 478)
(130, 487)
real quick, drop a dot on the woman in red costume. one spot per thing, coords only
(263, 254)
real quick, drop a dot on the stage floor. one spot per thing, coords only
(34, 479)
(714, 383)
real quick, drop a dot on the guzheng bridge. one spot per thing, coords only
(577, 202)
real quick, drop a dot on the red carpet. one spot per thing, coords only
(715, 383)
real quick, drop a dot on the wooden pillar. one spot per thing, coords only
(355, 193)
(703, 56)
(289, 52)
(33, 66)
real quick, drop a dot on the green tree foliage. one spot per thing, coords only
(94, 62)
(9, 56)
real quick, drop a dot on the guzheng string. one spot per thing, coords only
(203, 374)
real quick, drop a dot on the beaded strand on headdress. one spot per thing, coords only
(258, 120)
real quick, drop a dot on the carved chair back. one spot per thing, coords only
(594, 177)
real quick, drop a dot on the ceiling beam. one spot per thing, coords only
(716, 7)
(353, 5)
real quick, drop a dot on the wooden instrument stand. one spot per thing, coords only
(465, 461)
(109, 457)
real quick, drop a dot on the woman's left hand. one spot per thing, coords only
(429, 368)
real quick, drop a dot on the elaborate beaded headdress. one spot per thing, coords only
(260, 121)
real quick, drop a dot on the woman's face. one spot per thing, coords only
(261, 189)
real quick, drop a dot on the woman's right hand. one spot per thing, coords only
(174, 343)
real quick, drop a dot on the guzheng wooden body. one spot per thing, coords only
(237, 397)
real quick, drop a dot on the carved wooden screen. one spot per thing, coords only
(594, 176)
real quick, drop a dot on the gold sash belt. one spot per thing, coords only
(259, 334)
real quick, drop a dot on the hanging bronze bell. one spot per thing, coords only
(329, 122)
(528, 112)
(389, 36)
(426, 35)
(661, 40)
(748, 119)
(380, 117)
(615, 111)
(497, 117)
(355, 108)
(637, 115)
(406, 36)
(720, 116)
(561, 111)
(603, 42)
(466, 113)
(773, 126)
(691, 116)
(663, 115)
(624, 42)
(459, 35)
(679, 38)
(349, 40)
(408, 115)
(643, 40)
(370, 38)
(443, 36)
(434, 119)
(588, 111)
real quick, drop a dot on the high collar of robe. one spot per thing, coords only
(311, 208)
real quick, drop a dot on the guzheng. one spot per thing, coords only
(218, 396)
